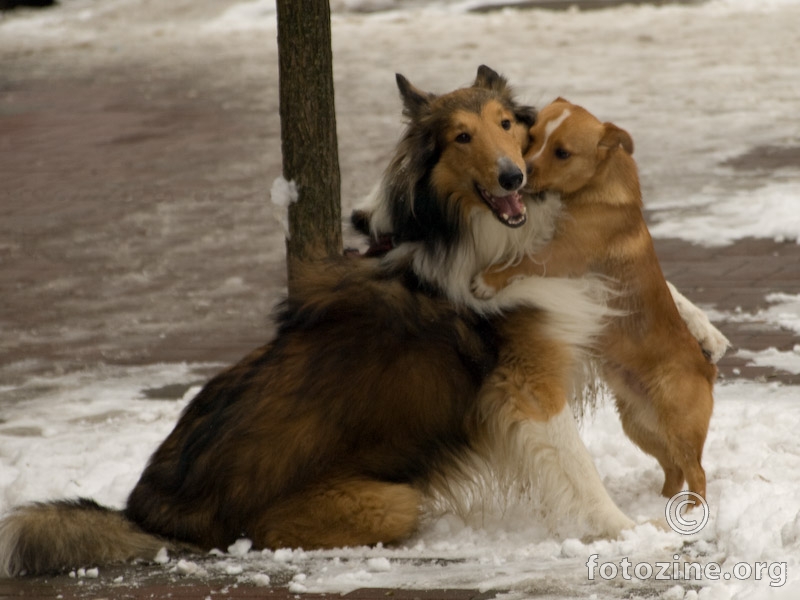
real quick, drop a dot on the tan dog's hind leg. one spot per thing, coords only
(687, 427)
(343, 512)
(643, 431)
(670, 426)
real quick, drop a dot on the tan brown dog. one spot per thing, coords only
(661, 379)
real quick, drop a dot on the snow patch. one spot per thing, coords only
(752, 453)
(784, 313)
(245, 16)
(720, 217)
(297, 584)
(282, 194)
(188, 567)
(783, 360)
(378, 565)
(259, 579)
(240, 547)
(162, 557)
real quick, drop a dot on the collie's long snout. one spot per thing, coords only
(510, 176)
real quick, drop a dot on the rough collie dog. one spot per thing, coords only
(378, 392)
(661, 380)
(322, 438)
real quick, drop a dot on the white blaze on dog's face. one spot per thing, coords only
(482, 156)
(568, 145)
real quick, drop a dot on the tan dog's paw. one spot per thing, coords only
(481, 288)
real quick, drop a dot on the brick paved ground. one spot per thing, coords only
(67, 590)
(738, 277)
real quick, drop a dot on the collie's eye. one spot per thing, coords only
(505, 124)
(463, 138)
(562, 154)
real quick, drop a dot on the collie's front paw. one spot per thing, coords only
(612, 527)
(713, 343)
(481, 288)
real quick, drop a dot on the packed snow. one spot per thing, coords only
(698, 86)
(282, 194)
(90, 434)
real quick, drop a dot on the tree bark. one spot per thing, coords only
(308, 130)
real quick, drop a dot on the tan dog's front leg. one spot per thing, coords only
(487, 283)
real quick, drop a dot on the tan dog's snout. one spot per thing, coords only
(532, 173)
(530, 168)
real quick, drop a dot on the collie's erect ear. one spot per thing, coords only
(614, 137)
(415, 101)
(526, 115)
(491, 80)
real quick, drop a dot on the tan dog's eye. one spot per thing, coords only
(463, 138)
(562, 154)
(505, 124)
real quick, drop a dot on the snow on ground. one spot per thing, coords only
(696, 85)
(783, 313)
(788, 361)
(90, 434)
(85, 434)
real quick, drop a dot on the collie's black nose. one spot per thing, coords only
(511, 178)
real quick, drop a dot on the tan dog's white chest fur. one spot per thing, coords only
(661, 380)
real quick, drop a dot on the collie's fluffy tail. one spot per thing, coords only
(57, 536)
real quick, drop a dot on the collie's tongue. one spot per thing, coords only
(509, 209)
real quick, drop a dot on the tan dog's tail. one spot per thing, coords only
(57, 536)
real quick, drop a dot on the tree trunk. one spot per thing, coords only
(308, 130)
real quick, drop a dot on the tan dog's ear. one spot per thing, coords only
(561, 99)
(613, 137)
(415, 101)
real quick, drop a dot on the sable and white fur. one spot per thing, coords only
(382, 387)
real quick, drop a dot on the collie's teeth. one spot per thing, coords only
(505, 217)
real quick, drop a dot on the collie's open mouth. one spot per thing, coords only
(509, 210)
